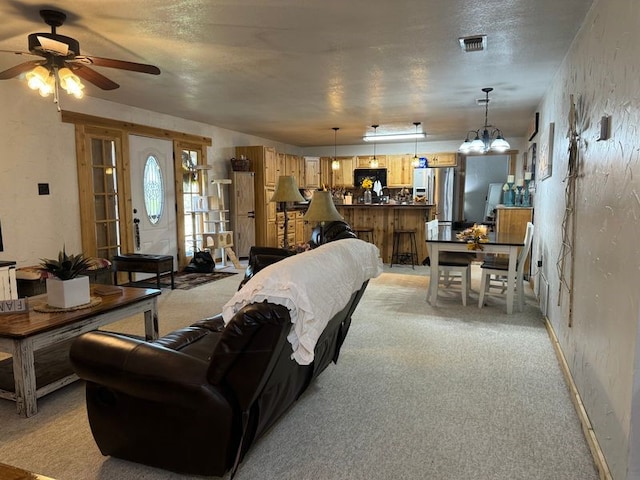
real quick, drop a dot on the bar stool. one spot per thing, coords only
(364, 231)
(396, 255)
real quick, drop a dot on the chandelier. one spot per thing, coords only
(484, 140)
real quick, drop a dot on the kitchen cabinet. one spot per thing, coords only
(281, 165)
(264, 163)
(449, 159)
(270, 221)
(343, 177)
(291, 228)
(312, 172)
(399, 171)
(294, 166)
(364, 161)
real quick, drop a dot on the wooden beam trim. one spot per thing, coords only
(132, 128)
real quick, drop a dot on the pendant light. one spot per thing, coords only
(416, 161)
(374, 161)
(335, 164)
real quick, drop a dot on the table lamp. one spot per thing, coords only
(322, 210)
(286, 191)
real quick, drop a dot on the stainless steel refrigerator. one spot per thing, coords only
(437, 185)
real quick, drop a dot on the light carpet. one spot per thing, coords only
(442, 393)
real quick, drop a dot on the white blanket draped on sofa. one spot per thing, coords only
(313, 285)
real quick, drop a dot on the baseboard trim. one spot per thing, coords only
(592, 441)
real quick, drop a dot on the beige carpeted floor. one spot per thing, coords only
(445, 393)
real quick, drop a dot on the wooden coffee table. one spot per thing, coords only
(24, 334)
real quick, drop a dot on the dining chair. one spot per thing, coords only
(494, 272)
(454, 268)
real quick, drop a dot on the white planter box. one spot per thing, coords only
(68, 293)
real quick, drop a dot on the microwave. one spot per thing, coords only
(379, 174)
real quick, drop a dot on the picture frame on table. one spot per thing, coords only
(545, 163)
(533, 127)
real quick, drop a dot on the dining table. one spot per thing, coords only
(444, 239)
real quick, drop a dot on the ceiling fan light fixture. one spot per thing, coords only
(70, 82)
(40, 79)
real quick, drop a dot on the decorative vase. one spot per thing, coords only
(367, 196)
(68, 293)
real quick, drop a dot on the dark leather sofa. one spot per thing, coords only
(195, 400)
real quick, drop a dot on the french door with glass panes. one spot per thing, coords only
(103, 184)
(106, 209)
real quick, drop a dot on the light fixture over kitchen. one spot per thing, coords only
(484, 141)
(374, 161)
(335, 164)
(416, 161)
(394, 136)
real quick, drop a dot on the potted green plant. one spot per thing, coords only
(67, 287)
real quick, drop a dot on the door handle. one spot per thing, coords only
(136, 230)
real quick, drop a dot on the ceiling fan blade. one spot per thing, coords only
(121, 64)
(20, 53)
(94, 77)
(18, 69)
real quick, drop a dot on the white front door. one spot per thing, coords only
(153, 197)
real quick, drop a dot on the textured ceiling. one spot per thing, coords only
(290, 70)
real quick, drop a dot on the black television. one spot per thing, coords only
(380, 174)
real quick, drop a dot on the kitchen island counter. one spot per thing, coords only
(385, 219)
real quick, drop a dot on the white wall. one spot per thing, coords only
(38, 148)
(602, 71)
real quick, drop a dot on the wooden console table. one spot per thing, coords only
(143, 263)
(22, 334)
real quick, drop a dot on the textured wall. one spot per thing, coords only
(602, 71)
(38, 148)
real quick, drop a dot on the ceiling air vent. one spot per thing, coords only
(475, 43)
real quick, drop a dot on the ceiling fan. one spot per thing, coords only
(60, 51)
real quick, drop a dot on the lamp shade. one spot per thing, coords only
(322, 209)
(287, 190)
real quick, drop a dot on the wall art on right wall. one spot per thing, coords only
(545, 162)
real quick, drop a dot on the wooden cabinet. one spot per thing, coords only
(513, 220)
(281, 165)
(364, 161)
(300, 228)
(312, 172)
(442, 159)
(264, 163)
(291, 228)
(294, 166)
(270, 222)
(399, 171)
(343, 177)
